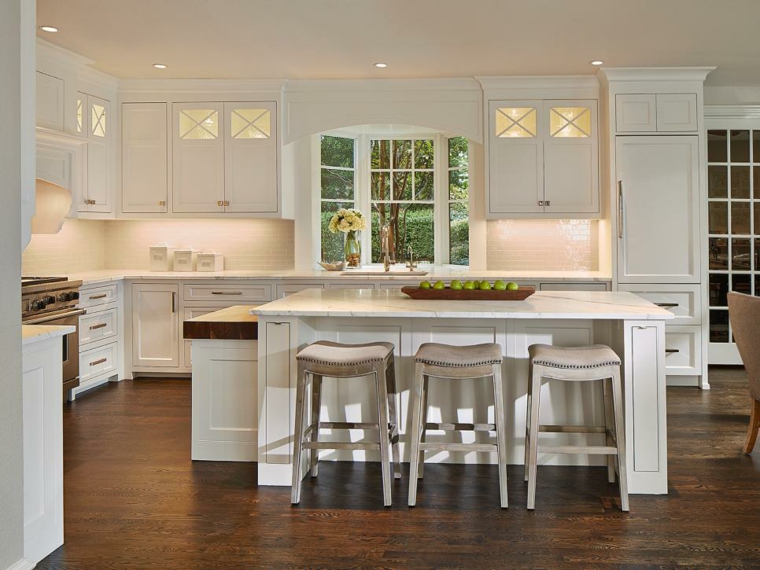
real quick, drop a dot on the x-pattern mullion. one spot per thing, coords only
(198, 124)
(99, 118)
(516, 122)
(569, 122)
(250, 123)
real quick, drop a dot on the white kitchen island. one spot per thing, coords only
(631, 325)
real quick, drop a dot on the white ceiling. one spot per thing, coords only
(417, 38)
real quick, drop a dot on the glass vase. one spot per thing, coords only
(352, 249)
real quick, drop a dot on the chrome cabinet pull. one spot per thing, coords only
(96, 362)
(620, 209)
(226, 292)
(98, 326)
(102, 296)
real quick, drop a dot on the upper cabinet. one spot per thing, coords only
(655, 112)
(224, 158)
(93, 121)
(144, 149)
(543, 159)
(50, 101)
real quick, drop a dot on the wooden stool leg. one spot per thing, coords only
(609, 424)
(390, 374)
(617, 395)
(295, 491)
(423, 437)
(501, 433)
(414, 433)
(754, 426)
(527, 418)
(316, 413)
(533, 451)
(385, 440)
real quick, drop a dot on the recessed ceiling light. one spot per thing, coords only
(597, 62)
(50, 29)
(381, 65)
(160, 65)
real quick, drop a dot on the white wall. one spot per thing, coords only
(13, 35)
(749, 95)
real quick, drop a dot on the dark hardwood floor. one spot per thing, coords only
(135, 500)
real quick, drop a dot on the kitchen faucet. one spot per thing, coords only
(385, 246)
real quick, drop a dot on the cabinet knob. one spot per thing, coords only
(548, 203)
(540, 202)
(220, 203)
(162, 202)
(226, 202)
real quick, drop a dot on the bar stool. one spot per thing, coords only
(456, 363)
(334, 360)
(581, 364)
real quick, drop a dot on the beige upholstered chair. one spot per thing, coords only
(744, 313)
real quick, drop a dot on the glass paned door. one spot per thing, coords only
(733, 191)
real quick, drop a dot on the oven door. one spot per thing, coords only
(70, 344)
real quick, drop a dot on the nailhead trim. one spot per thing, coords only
(452, 365)
(583, 367)
(332, 363)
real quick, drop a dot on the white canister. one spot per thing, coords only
(161, 257)
(210, 262)
(184, 260)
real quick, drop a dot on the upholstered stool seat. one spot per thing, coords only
(442, 361)
(335, 360)
(578, 364)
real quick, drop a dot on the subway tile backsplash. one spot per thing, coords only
(86, 245)
(543, 245)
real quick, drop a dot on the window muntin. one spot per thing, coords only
(250, 123)
(570, 122)
(402, 194)
(337, 189)
(459, 201)
(198, 124)
(98, 120)
(516, 122)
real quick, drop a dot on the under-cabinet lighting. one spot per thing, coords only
(160, 65)
(49, 29)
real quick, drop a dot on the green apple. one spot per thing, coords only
(468, 285)
(456, 285)
(425, 285)
(439, 285)
(500, 285)
(485, 286)
(512, 286)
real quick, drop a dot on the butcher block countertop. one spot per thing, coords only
(232, 323)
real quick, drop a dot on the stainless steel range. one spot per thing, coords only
(55, 301)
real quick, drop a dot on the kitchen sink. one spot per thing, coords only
(395, 272)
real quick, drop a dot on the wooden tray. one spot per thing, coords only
(469, 294)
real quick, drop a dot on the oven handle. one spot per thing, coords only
(48, 318)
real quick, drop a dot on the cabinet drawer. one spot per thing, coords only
(98, 325)
(683, 351)
(99, 295)
(595, 286)
(233, 293)
(681, 300)
(290, 288)
(98, 362)
(351, 285)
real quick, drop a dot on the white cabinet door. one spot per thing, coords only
(571, 157)
(144, 157)
(515, 157)
(676, 112)
(49, 101)
(658, 209)
(250, 157)
(94, 121)
(198, 157)
(636, 112)
(155, 325)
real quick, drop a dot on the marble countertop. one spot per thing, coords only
(390, 303)
(36, 333)
(435, 273)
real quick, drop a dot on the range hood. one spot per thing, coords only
(61, 175)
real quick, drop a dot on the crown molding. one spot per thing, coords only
(655, 73)
(200, 85)
(538, 82)
(61, 56)
(732, 111)
(381, 85)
